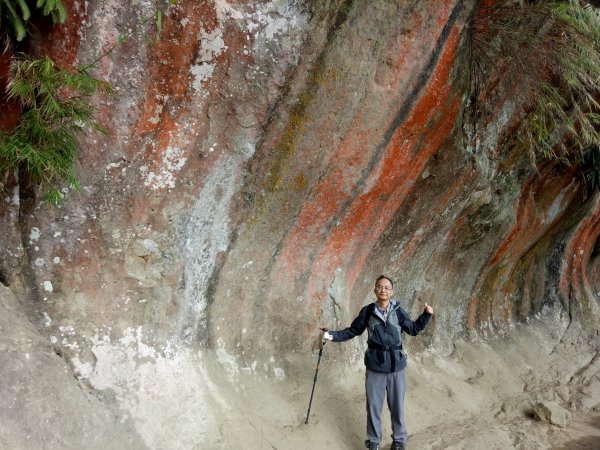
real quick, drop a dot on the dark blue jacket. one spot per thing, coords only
(384, 352)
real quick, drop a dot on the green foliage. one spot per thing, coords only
(14, 15)
(545, 56)
(566, 113)
(55, 103)
(56, 109)
(591, 168)
(159, 18)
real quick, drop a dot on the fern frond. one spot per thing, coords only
(56, 111)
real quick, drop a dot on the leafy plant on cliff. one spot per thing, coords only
(55, 109)
(591, 167)
(14, 14)
(544, 57)
(55, 103)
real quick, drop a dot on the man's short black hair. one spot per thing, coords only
(383, 277)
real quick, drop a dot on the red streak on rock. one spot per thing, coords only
(531, 214)
(575, 282)
(539, 209)
(63, 41)
(9, 110)
(390, 181)
(169, 61)
(354, 152)
(400, 164)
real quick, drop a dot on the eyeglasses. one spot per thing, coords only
(384, 288)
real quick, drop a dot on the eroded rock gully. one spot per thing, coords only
(264, 162)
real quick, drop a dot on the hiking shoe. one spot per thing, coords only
(398, 446)
(372, 445)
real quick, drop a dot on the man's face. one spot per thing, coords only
(383, 289)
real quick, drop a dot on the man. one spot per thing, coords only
(385, 362)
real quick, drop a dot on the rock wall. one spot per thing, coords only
(41, 406)
(264, 162)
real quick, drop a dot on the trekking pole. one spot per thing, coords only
(315, 379)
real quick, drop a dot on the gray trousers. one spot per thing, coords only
(377, 384)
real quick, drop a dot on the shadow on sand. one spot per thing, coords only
(586, 442)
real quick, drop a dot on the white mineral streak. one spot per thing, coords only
(558, 203)
(493, 130)
(34, 234)
(151, 246)
(47, 321)
(161, 100)
(279, 373)
(487, 138)
(227, 361)
(165, 391)
(211, 46)
(173, 160)
(16, 198)
(268, 20)
(207, 235)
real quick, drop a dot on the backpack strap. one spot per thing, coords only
(370, 311)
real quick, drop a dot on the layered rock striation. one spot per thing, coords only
(264, 162)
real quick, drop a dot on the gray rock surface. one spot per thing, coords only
(43, 405)
(265, 161)
(553, 413)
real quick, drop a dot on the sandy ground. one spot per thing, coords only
(478, 396)
(481, 396)
(274, 418)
